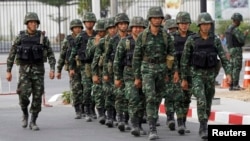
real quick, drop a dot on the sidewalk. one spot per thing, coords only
(228, 111)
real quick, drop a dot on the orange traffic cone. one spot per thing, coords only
(246, 82)
(224, 83)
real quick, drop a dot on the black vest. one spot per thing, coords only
(30, 50)
(204, 53)
(116, 40)
(72, 44)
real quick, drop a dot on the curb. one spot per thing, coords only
(216, 116)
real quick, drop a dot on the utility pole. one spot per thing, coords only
(113, 5)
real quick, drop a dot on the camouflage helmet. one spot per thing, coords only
(100, 25)
(237, 17)
(204, 17)
(89, 17)
(76, 23)
(167, 17)
(110, 22)
(121, 17)
(155, 11)
(183, 17)
(31, 16)
(137, 21)
(170, 23)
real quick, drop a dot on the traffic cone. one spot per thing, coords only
(246, 82)
(224, 83)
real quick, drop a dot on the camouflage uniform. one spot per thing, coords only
(180, 98)
(202, 55)
(75, 81)
(97, 91)
(170, 26)
(121, 103)
(79, 53)
(97, 69)
(149, 64)
(123, 71)
(235, 41)
(30, 52)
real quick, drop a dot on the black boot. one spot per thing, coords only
(184, 123)
(203, 130)
(171, 121)
(78, 112)
(126, 119)
(237, 87)
(25, 117)
(142, 131)
(110, 114)
(135, 126)
(83, 110)
(88, 117)
(153, 132)
(181, 129)
(33, 125)
(92, 111)
(121, 124)
(101, 114)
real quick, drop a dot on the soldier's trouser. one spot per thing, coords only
(76, 87)
(109, 97)
(121, 103)
(136, 100)
(30, 83)
(203, 89)
(187, 96)
(169, 96)
(153, 84)
(98, 95)
(87, 86)
(236, 62)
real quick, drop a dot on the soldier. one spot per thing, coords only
(181, 98)
(166, 17)
(97, 66)
(78, 53)
(97, 92)
(170, 26)
(121, 22)
(123, 71)
(31, 48)
(150, 70)
(235, 41)
(201, 51)
(75, 81)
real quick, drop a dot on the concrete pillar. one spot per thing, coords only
(96, 8)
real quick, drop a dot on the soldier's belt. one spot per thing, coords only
(154, 61)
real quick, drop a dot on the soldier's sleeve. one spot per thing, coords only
(74, 52)
(107, 57)
(137, 58)
(225, 63)
(118, 61)
(239, 35)
(51, 55)
(90, 50)
(12, 54)
(185, 58)
(171, 51)
(98, 52)
(62, 56)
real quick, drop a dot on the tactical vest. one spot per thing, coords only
(231, 39)
(116, 40)
(204, 53)
(130, 46)
(82, 50)
(72, 44)
(30, 50)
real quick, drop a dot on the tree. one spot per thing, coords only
(86, 6)
(125, 4)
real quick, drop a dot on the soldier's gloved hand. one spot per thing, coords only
(71, 73)
(51, 74)
(138, 83)
(118, 83)
(176, 77)
(95, 79)
(58, 75)
(105, 78)
(184, 85)
(229, 79)
(8, 76)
